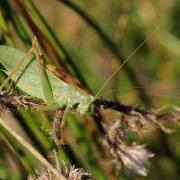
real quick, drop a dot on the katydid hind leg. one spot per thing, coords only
(46, 86)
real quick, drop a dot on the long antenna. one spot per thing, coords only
(125, 61)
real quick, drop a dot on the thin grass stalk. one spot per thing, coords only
(31, 149)
(27, 162)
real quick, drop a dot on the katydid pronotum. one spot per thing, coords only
(60, 91)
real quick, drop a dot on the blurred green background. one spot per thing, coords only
(90, 39)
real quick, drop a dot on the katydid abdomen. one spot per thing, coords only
(28, 80)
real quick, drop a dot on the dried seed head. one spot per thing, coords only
(43, 174)
(72, 173)
(140, 123)
(132, 158)
(68, 171)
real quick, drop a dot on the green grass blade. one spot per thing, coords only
(5, 29)
(17, 23)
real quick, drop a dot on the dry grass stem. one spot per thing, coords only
(31, 149)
